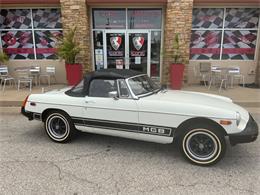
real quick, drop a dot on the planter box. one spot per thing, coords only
(176, 74)
(73, 73)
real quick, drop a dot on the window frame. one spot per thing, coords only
(223, 29)
(31, 29)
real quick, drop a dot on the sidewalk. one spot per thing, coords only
(245, 97)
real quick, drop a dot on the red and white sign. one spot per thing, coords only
(138, 42)
(116, 42)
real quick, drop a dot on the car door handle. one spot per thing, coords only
(90, 101)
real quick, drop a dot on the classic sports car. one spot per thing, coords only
(129, 104)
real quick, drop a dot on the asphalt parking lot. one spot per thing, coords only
(93, 164)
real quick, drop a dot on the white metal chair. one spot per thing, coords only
(24, 77)
(5, 77)
(235, 73)
(50, 72)
(35, 73)
(218, 75)
(205, 72)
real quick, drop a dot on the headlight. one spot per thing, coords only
(238, 118)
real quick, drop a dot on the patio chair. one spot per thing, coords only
(24, 77)
(235, 74)
(35, 73)
(218, 75)
(201, 74)
(5, 77)
(205, 72)
(50, 72)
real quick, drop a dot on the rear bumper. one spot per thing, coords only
(29, 115)
(249, 134)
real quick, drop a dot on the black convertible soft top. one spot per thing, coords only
(113, 73)
(108, 74)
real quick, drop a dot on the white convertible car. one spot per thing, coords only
(128, 104)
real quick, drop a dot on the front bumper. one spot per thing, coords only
(249, 134)
(29, 115)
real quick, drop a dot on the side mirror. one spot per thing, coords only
(113, 94)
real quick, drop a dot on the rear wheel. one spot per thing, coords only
(202, 144)
(59, 127)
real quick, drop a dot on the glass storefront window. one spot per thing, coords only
(239, 44)
(45, 42)
(242, 17)
(207, 17)
(98, 50)
(18, 44)
(155, 53)
(15, 19)
(109, 18)
(205, 44)
(47, 18)
(215, 37)
(144, 18)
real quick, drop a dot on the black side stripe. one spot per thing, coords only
(123, 126)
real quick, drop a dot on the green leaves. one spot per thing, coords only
(68, 48)
(3, 57)
(176, 49)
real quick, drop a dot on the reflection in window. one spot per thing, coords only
(18, 44)
(144, 18)
(239, 44)
(155, 53)
(101, 88)
(109, 18)
(98, 50)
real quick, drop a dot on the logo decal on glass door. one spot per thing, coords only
(115, 42)
(138, 42)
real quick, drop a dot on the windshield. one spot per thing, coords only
(142, 85)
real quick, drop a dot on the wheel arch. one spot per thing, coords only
(189, 122)
(48, 110)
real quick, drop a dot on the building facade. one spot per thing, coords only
(129, 34)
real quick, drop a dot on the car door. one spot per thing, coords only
(108, 115)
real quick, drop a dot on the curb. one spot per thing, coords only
(19, 103)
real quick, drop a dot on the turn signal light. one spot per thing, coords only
(25, 100)
(225, 122)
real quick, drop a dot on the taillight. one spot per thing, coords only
(25, 100)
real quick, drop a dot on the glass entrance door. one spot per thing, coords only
(115, 50)
(127, 50)
(138, 51)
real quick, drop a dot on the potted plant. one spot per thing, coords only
(3, 57)
(177, 67)
(68, 50)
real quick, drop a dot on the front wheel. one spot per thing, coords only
(59, 127)
(203, 145)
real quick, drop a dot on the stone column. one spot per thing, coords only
(75, 13)
(178, 19)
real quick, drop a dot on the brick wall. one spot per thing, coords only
(178, 19)
(75, 13)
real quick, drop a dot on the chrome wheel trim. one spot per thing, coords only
(195, 158)
(53, 129)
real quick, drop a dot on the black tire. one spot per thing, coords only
(202, 144)
(59, 127)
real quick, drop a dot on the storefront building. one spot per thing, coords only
(134, 35)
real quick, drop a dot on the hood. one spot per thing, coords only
(197, 104)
